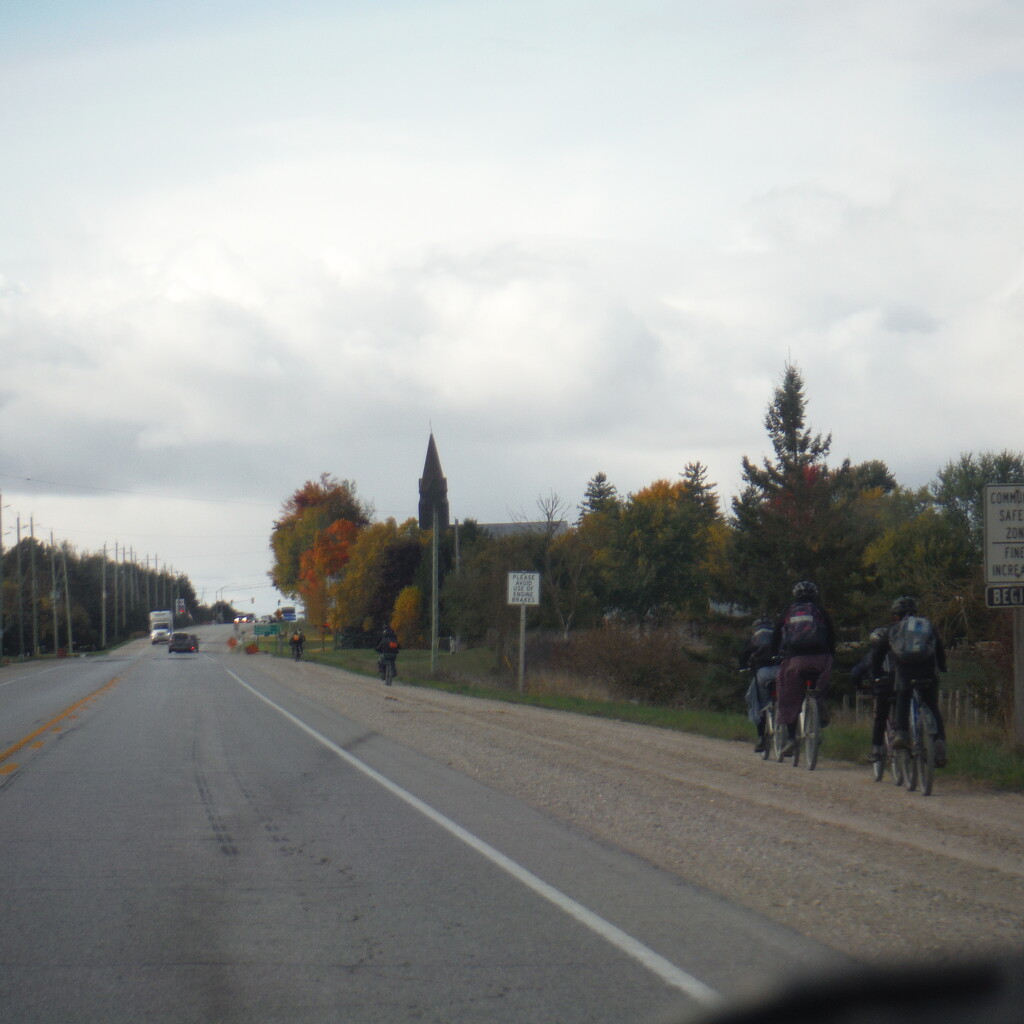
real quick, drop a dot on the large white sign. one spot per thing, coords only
(1004, 533)
(524, 588)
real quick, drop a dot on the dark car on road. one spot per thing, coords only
(182, 643)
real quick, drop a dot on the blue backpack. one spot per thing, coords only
(912, 640)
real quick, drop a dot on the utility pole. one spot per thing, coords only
(32, 566)
(53, 596)
(103, 599)
(21, 600)
(67, 598)
(1, 579)
(113, 572)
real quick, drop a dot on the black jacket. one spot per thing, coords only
(922, 670)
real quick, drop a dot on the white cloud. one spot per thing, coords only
(570, 237)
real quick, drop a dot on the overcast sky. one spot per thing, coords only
(243, 244)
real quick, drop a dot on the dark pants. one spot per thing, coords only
(883, 704)
(884, 691)
(928, 692)
(790, 684)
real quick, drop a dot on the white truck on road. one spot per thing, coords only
(160, 625)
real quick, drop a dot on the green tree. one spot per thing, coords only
(600, 497)
(475, 600)
(662, 540)
(929, 557)
(960, 487)
(792, 519)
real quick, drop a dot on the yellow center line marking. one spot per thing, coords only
(66, 713)
(8, 768)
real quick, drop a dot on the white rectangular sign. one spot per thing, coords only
(1004, 533)
(524, 588)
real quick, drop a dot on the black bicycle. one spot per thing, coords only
(774, 732)
(892, 758)
(808, 730)
(924, 733)
(387, 671)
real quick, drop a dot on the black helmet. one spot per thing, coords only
(805, 590)
(878, 635)
(904, 606)
(763, 622)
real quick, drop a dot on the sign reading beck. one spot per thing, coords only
(524, 588)
(1004, 597)
(1004, 543)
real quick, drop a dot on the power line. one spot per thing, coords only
(136, 494)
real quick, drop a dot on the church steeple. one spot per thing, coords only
(433, 491)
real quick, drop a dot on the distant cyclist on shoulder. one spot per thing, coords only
(805, 639)
(297, 642)
(918, 660)
(757, 657)
(388, 649)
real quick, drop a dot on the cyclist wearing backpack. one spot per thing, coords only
(388, 649)
(882, 688)
(805, 639)
(917, 651)
(757, 657)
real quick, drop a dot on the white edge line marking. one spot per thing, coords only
(28, 675)
(654, 962)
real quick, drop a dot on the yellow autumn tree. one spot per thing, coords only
(407, 617)
(383, 560)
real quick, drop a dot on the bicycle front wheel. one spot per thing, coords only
(897, 765)
(769, 733)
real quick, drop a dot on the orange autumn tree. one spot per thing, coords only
(304, 516)
(321, 564)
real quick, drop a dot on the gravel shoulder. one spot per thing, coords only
(864, 867)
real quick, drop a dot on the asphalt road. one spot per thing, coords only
(182, 839)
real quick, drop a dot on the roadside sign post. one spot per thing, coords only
(1004, 576)
(523, 590)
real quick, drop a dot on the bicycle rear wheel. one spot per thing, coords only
(389, 671)
(778, 734)
(910, 764)
(895, 759)
(799, 738)
(924, 749)
(897, 765)
(811, 731)
(769, 733)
